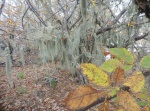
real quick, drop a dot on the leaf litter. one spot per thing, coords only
(31, 93)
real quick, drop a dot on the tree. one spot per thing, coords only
(77, 31)
(81, 30)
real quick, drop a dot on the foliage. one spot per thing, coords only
(21, 75)
(118, 75)
(75, 33)
(82, 96)
(93, 3)
(21, 90)
(135, 82)
(80, 42)
(128, 101)
(124, 58)
(111, 65)
(82, 33)
(145, 62)
(117, 85)
(95, 74)
(51, 81)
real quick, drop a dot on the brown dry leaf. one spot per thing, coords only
(107, 53)
(104, 106)
(118, 75)
(127, 101)
(81, 97)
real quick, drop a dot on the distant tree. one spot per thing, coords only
(81, 27)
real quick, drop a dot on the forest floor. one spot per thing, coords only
(31, 92)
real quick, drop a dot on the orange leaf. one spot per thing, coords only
(81, 97)
(118, 75)
(107, 53)
(128, 102)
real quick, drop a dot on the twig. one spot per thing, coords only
(73, 25)
(108, 27)
(59, 10)
(24, 16)
(136, 38)
(72, 12)
(2, 6)
(35, 12)
(99, 100)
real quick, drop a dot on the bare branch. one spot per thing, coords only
(99, 100)
(2, 6)
(108, 27)
(137, 37)
(73, 25)
(35, 12)
(72, 12)
(54, 13)
(24, 16)
(4, 31)
(61, 6)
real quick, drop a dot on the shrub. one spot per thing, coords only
(116, 88)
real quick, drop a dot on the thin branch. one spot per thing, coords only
(35, 12)
(101, 2)
(99, 100)
(146, 73)
(54, 13)
(108, 27)
(73, 25)
(127, 42)
(61, 6)
(136, 38)
(4, 31)
(2, 6)
(72, 12)
(7, 32)
(24, 16)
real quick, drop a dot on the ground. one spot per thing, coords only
(31, 92)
